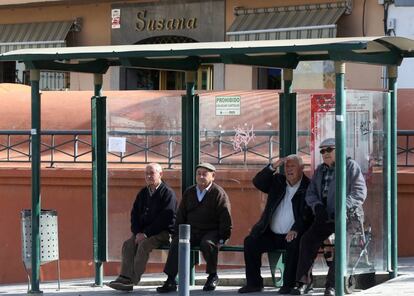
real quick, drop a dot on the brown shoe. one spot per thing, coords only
(121, 284)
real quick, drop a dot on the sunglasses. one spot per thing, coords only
(329, 150)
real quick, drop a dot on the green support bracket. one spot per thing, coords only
(36, 198)
(99, 179)
(392, 82)
(340, 178)
(287, 117)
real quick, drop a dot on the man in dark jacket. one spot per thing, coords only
(282, 223)
(321, 198)
(206, 207)
(152, 220)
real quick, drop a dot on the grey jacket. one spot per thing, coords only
(356, 189)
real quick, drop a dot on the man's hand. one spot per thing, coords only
(278, 163)
(291, 235)
(140, 237)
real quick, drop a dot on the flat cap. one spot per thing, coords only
(329, 142)
(207, 166)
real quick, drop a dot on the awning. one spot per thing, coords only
(287, 22)
(34, 35)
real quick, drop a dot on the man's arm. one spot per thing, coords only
(312, 197)
(224, 216)
(263, 179)
(136, 225)
(181, 213)
(356, 184)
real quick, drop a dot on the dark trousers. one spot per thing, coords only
(207, 241)
(255, 246)
(310, 243)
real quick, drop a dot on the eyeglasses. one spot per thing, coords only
(329, 150)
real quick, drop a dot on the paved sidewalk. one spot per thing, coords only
(403, 285)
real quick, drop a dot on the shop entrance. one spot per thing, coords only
(148, 79)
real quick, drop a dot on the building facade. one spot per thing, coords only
(87, 23)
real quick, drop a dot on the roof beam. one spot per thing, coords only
(384, 58)
(99, 66)
(289, 60)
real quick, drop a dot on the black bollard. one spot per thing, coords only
(184, 259)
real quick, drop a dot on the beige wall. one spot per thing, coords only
(238, 77)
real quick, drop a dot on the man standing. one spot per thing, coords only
(206, 207)
(283, 221)
(152, 221)
(321, 198)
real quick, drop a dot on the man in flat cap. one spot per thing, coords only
(321, 198)
(206, 207)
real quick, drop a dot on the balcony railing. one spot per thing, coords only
(216, 146)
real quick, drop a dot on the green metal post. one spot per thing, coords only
(387, 181)
(36, 198)
(392, 82)
(190, 132)
(287, 116)
(99, 178)
(340, 178)
(190, 139)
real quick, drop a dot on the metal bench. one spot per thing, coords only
(276, 261)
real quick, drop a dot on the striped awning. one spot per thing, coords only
(34, 35)
(287, 22)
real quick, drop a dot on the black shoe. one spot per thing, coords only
(329, 292)
(284, 290)
(301, 289)
(250, 289)
(121, 284)
(211, 283)
(169, 286)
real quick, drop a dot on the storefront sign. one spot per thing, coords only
(228, 105)
(168, 21)
(160, 24)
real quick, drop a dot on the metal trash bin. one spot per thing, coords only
(49, 239)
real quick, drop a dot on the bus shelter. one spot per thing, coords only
(285, 54)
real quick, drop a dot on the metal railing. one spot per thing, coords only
(216, 146)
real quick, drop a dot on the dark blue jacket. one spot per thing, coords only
(154, 214)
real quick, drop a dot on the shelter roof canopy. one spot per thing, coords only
(189, 56)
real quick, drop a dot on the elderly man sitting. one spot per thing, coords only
(321, 198)
(283, 221)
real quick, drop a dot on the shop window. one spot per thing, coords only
(269, 78)
(205, 78)
(50, 80)
(8, 72)
(136, 78)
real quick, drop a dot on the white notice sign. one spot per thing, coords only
(116, 144)
(228, 105)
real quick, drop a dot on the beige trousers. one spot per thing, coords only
(135, 256)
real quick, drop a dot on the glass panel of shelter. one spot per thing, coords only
(142, 127)
(239, 134)
(365, 141)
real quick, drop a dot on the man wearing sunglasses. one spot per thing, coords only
(321, 198)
